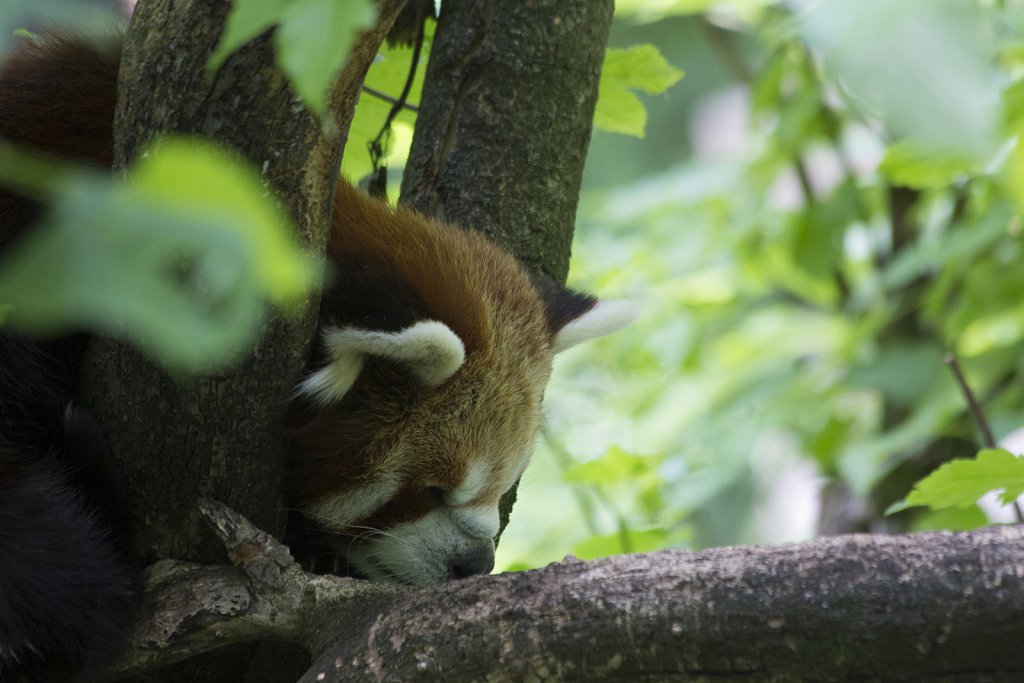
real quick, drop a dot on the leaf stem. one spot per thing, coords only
(977, 414)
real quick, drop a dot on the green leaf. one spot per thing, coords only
(313, 42)
(626, 541)
(193, 178)
(652, 10)
(908, 164)
(934, 73)
(951, 519)
(248, 19)
(1015, 171)
(641, 67)
(961, 483)
(179, 260)
(903, 371)
(616, 465)
(817, 245)
(1013, 105)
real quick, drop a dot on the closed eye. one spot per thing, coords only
(436, 493)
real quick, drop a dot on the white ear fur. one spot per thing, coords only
(429, 348)
(602, 318)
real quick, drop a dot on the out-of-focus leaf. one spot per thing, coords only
(613, 467)
(313, 42)
(951, 249)
(193, 179)
(865, 462)
(908, 164)
(648, 10)
(641, 67)
(944, 48)
(1015, 171)
(951, 519)
(628, 541)
(179, 260)
(312, 39)
(902, 371)
(652, 10)
(818, 240)
(247, 19)
(961, 483)
(1013, 105)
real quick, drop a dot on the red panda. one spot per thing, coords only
(418, 412)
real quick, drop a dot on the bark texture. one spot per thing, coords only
(924, 607)
(175, 438)
(505, 120)
(931, 607)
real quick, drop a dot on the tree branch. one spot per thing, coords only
(915, 607)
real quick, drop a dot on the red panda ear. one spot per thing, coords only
(429, 349)
(603, 317)
(574, 317)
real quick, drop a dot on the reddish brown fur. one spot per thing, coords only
(58, 97)
(460, 279)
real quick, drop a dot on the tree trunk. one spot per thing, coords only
(505, 120)
(176, 438)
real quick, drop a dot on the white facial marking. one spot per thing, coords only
(479, 521)
(603, 318)
(471, 486)
(420, 552)
(340, 511)
(429, 348)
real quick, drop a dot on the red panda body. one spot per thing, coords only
(418, 413)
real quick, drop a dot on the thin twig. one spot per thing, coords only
(972, 403)
(389, 99)
(977, 414)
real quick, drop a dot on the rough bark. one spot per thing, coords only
(504, 124)
(505, 120)
(912, 608)
(925, 607)
(176, 438)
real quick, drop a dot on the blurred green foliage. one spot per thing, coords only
(181, 259)
(824, 208)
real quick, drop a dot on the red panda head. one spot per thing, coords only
(424, 399)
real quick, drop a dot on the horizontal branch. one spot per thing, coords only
(901, 608)
(916, 607)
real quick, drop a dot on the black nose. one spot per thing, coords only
(471, 563)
